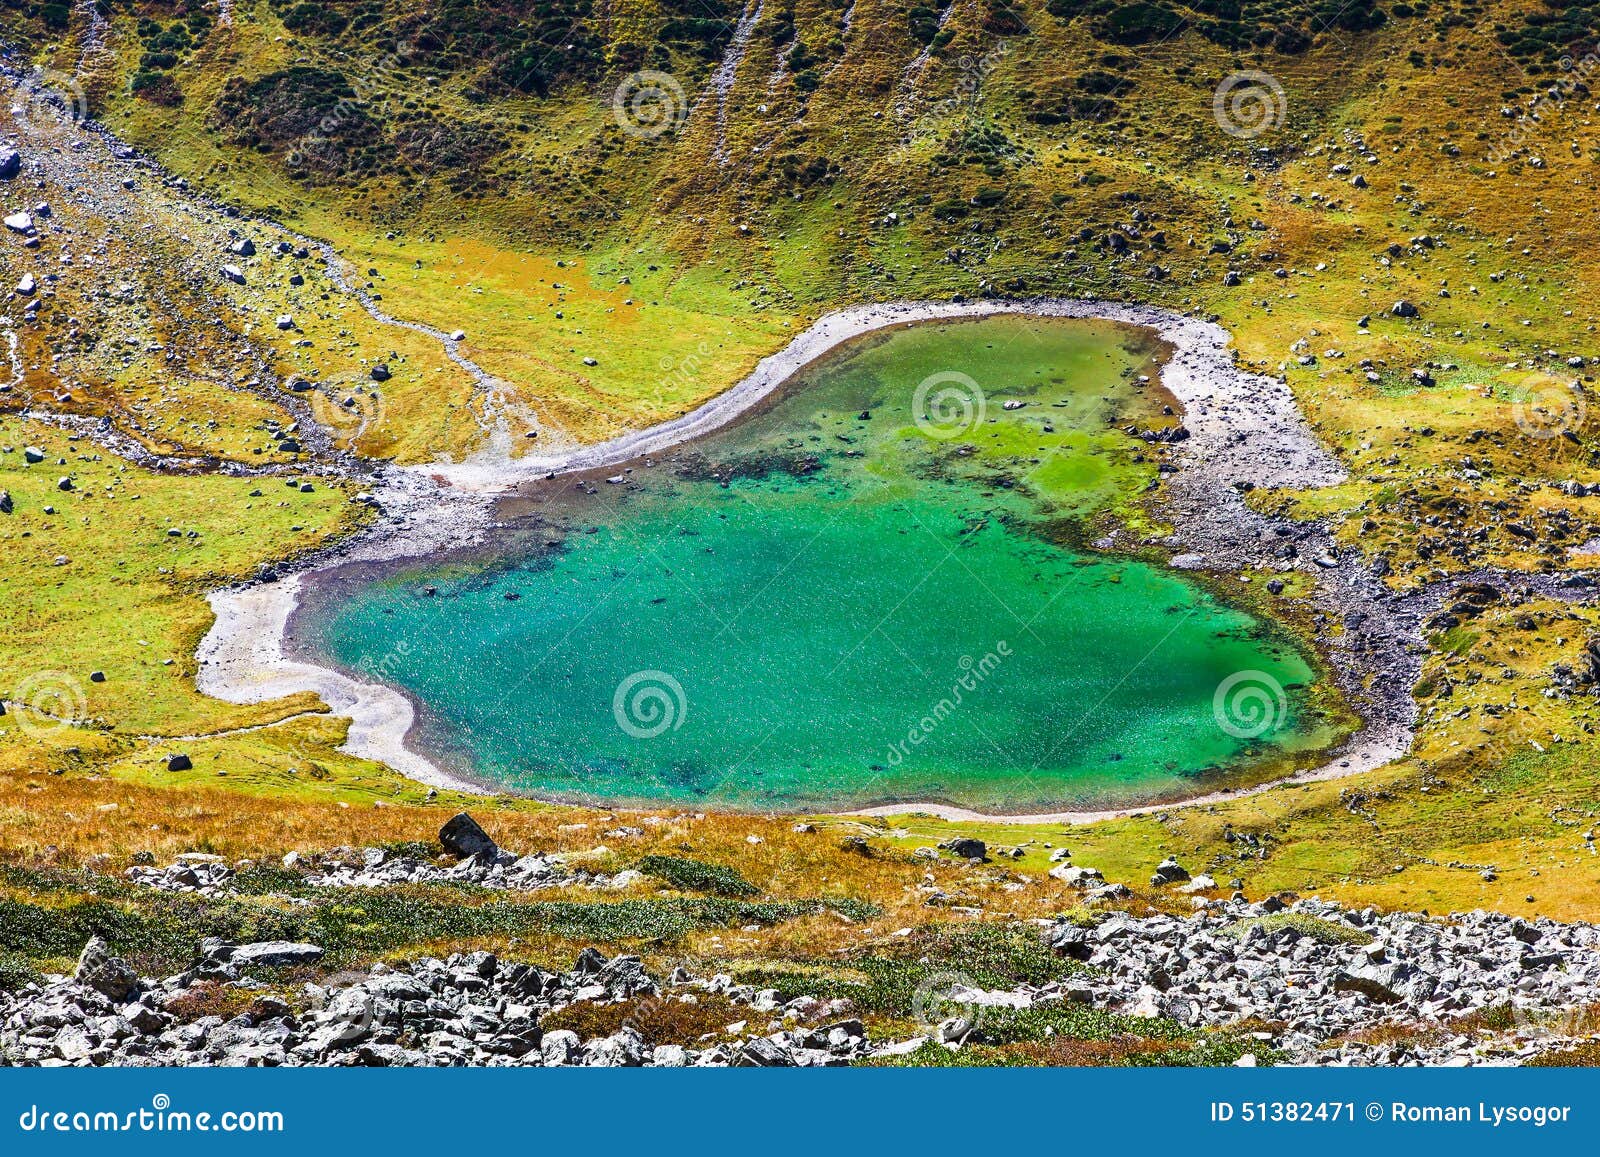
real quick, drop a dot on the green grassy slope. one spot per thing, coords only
(476, 166)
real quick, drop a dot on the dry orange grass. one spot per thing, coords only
(76, 820)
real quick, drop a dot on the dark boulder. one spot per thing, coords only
(462, 837)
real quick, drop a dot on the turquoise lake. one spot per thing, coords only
(834, 604)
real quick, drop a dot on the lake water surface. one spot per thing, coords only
(874, 589)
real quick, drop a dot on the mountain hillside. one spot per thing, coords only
(255, 251)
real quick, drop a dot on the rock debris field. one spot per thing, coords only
(1309, 982)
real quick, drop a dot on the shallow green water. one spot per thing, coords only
(833, 605)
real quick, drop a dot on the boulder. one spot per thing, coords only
(462, 837)
(1380, 983)
(179, 762)
(764, 1054)
(271, 954)
(561, 1047)
(108, 975)
(967, 848)
(1168, 871)
(10, 162)
(1403, 308)
(1074, 876)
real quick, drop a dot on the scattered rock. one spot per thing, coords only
(462, 837)
(106, 974)
(1168, 871)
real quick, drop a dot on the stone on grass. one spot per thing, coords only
(1169, 871)
(462, 837)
